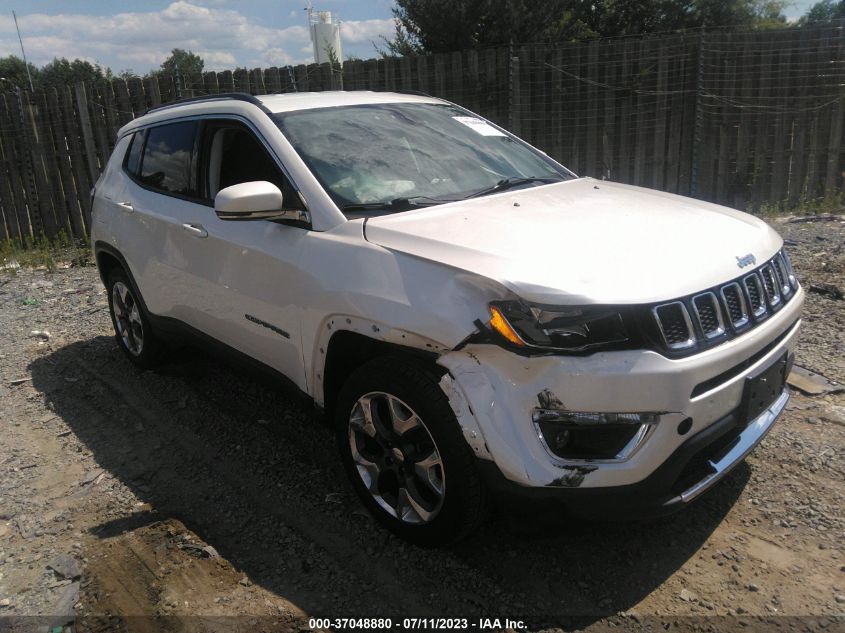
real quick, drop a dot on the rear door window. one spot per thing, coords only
(133, 156)
(169, 159)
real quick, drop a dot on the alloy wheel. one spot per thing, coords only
(397, 458)
(127, 318)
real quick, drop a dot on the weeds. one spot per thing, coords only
(767, 210)
(830, 204)
(41, 252)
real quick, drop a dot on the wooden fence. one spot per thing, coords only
(741, 118)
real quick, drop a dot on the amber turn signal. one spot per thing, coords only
(501, 325)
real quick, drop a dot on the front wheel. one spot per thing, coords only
(404, 453)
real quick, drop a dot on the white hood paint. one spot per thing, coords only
(584, 241)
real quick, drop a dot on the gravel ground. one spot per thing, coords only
(129, 498)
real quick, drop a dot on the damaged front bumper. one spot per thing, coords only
(693, 431)
(692, 469)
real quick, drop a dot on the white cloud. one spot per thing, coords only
(274, 57)
(217, 59)
(142, 40)
(214, 3)
(356, 31)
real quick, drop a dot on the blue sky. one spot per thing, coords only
(139, 35)
(798, 8)
(226, 33)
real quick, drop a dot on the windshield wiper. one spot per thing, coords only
(397, 204)
(370, 206)
(508, 183)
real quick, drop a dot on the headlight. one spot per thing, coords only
(567, 329)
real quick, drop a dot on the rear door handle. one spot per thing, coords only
(196, 230)
(126, 206)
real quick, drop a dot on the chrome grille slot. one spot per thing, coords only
(735, 305)
(754, 288)
(709, 316)
(793, 280)
(782, 274)
(675, 325)
(770, 283)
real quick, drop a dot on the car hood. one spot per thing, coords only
(584, 241)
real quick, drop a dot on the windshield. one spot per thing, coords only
(384, 158)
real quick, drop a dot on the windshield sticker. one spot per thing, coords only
(482, 127)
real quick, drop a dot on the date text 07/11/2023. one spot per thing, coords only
(423, 624)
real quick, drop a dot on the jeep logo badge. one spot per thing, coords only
(745, 260)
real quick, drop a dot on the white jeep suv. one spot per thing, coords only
(472, 316)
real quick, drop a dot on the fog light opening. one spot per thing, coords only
(561, 439)
(574, 435)
(685, 426)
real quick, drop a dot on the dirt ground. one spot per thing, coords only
(196, 498)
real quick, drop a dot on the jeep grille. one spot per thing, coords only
(711, 317)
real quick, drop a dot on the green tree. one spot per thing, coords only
(824, 11)
(741, 13)
(64, 71)
(436, 26)
(185, 62)
(126, 74)
(60, 71)
(402, 44)
(634, 17)
(13, 70)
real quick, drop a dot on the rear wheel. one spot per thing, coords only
(404, 453)
(132, 329)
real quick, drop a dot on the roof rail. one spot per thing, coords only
(418, 93)
(237, 96)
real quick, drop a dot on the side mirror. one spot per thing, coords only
(258, 200)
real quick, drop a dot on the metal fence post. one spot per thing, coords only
(699, 117)
(514, 98)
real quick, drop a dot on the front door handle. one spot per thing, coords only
(126, 206)
(196, 230)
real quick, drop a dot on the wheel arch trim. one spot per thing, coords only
(101, 247)
(381, 339)
(384, 341)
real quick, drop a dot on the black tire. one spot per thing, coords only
(148, 353)
(464, 500)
